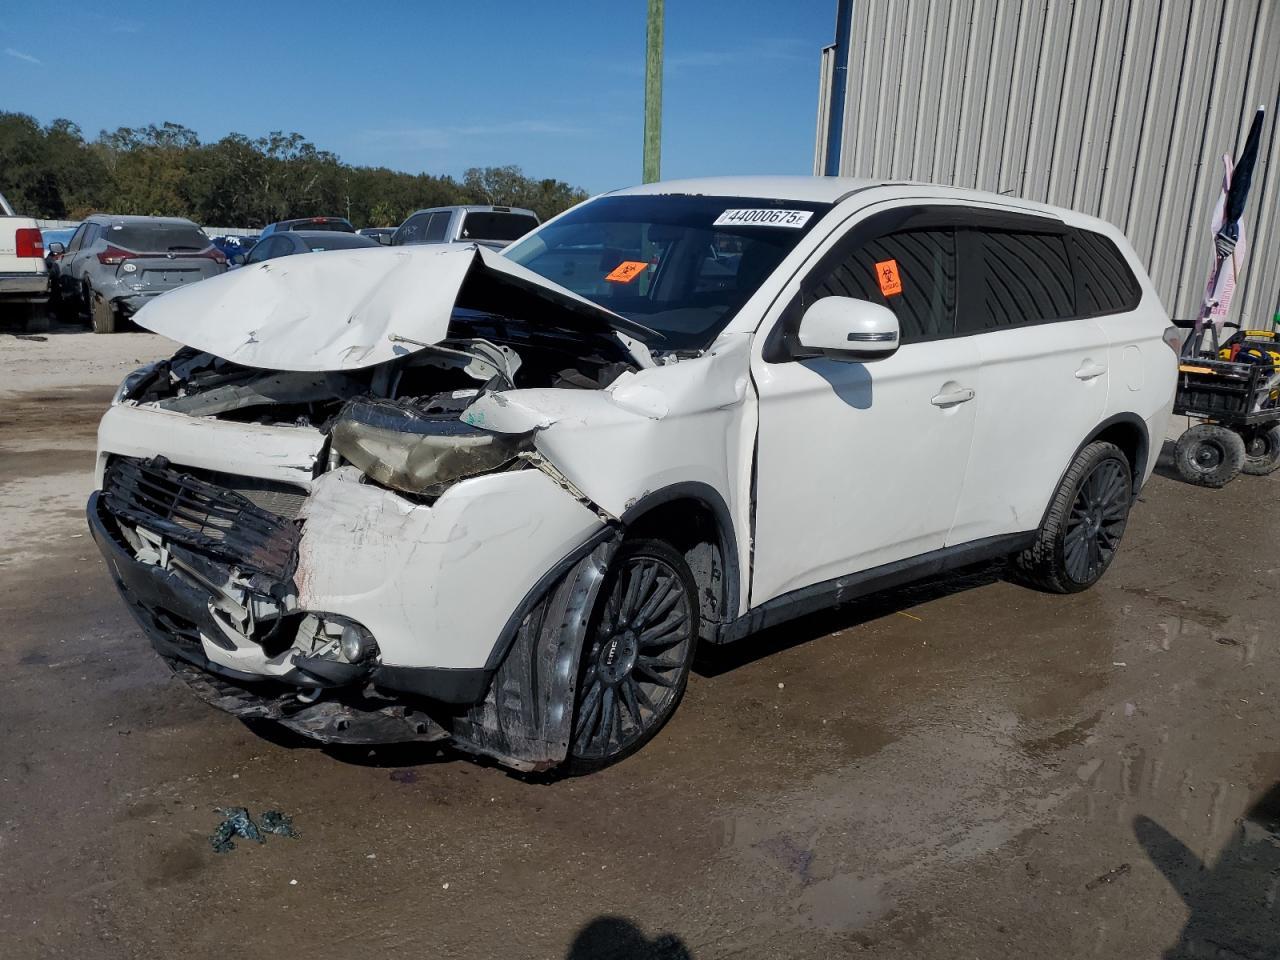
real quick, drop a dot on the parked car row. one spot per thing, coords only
(104, 269)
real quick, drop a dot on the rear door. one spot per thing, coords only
(1044, 375)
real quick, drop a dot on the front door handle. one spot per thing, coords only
(952, 397)
(1089, 369)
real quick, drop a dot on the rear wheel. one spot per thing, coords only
(1209, 455)
(103, 314)
(1262, 451)
(1082, 530)
(637, 654)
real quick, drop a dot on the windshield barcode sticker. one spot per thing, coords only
(763, 218)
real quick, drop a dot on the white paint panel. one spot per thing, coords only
(435, 585)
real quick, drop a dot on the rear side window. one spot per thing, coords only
(496, 226)
(1104, 282)
(912, 272)
(157, 237)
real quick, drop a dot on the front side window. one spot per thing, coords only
(77, 239)
(912, 272)
(681, 265)
(438, 228)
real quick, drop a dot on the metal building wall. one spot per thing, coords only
(1121, 109)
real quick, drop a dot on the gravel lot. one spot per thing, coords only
(961, 769)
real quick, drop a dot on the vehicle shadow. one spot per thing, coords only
(1164, 462)
(615, 938)
(1232, 901)
(712, 660)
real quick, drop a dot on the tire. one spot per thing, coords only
(103, 314)
(636, 656)
(1209, 455)
(1084, 525)
(1262, 451)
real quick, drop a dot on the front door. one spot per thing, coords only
(861, 464)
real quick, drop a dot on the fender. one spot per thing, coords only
(710, 497)
(1139, 466)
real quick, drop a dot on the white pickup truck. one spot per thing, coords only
(24, 276)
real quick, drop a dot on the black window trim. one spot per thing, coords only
(781, 347)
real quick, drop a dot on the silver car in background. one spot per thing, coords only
(493, 227)
(113, 265)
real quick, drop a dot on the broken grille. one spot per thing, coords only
(202, 516)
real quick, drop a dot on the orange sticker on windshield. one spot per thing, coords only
(887, 274)
(626, 271)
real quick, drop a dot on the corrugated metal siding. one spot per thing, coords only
(1119, 108)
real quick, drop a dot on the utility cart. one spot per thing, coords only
(1236, 396)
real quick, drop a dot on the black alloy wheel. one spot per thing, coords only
(637, 654)
(1097, 521)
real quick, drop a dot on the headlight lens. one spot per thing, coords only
(399, 447)
(131, 383)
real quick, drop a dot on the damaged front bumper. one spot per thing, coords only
(248, 606)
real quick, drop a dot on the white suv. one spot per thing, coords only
(440, 492)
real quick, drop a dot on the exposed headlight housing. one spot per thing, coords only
(398, 446)
(131, 383)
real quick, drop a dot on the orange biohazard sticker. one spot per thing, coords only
(626, 271)
(887, 274)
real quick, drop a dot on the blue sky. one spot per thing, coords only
(556, 87)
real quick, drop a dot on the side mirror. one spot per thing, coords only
(384, 239)
(238, 260)
(57, 249)
(842, 328)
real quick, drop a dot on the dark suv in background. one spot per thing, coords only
(113, 265)
(340, 224)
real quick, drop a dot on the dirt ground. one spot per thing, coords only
(961, 769)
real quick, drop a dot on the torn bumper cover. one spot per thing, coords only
(250, 608)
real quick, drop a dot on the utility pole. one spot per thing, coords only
(653, 95)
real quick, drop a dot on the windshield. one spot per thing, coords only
(680, 265)
(496, 226)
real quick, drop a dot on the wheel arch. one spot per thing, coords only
(694, 518)
(1128, 431)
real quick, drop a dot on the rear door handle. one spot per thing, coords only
(1088, 370)
(952, 397)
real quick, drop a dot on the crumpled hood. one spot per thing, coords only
(346, 309)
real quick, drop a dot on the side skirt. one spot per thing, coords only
(833, 593)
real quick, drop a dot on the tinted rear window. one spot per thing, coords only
(497, 226)
(336, 225)
(157, 237)
(1104, 282)
(339, 241)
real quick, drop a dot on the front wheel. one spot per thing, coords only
(637, 654)
(1082, 530)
